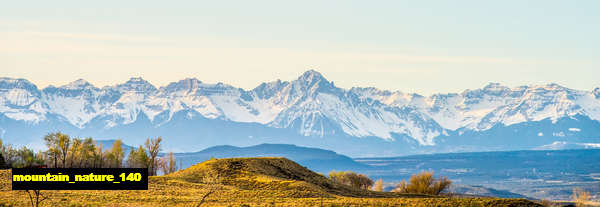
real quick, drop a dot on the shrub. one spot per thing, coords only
(547, 203)
(423, 183)
(358, 181)
(580, 196)
(378, 185)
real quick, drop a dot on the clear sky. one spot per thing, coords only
(412, 46)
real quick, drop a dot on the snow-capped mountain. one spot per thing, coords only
(309, 110)
(21, 100)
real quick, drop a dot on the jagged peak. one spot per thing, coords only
(491, 88)
(14, 80)
(137, 80)
(137, 84)
(312, 82)
(311, 76)
(553, 86)
(376, 90)
(78, 84)
(191, 82)
(269, 89)
(7, 79)
(194, 86)
(371, 90)
(188, 84)
(9, 83)
(494, 85)
(496, 89)
(549, 86)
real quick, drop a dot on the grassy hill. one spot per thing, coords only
(278, 174)
(318, 160)
(243, 182)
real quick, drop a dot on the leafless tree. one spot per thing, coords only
(36, 197)
(168, 164)
(153, 147)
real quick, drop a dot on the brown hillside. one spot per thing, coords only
(272, 174)
(242, 182)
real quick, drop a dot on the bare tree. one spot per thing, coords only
(34, 197)
(153, 147)
(168, 164)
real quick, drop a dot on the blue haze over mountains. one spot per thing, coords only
(310, 111)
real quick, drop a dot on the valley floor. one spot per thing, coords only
(168, 191)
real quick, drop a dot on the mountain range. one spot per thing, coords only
(309, 111)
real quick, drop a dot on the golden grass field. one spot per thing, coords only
(242, 182)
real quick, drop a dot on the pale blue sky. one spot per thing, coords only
(412, 46)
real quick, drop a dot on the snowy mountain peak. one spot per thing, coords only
(20, 100)
(551, 90)
(310, 74)
(78, 84)
(554, 86)
(187, 85)
(12, 83)
(312, 82)
(270, 89)
(392, 98)
(137, 85)
(311, 77)
(491, 89)
(18, 89)
(496, 88)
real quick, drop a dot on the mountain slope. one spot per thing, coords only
(270, 173)
(310, 109)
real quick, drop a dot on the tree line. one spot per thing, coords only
(64, 151)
